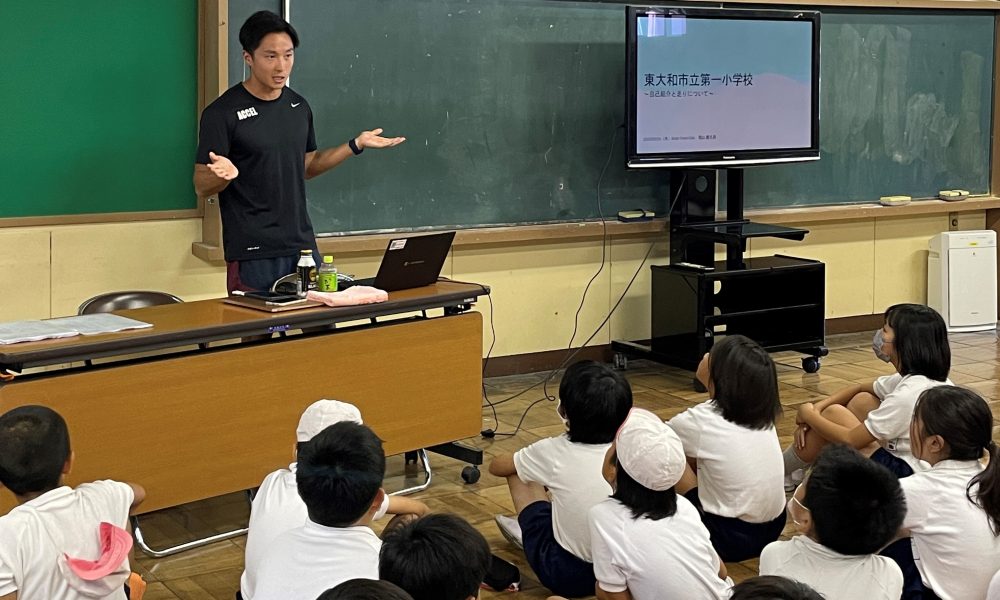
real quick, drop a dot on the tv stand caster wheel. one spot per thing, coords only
(620, 361)
(470, 474)
(810, 364)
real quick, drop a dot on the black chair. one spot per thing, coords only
(112, 301)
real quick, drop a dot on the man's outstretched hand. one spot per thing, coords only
(374, 139)
(222, 167)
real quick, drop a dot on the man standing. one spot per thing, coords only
(256, 149)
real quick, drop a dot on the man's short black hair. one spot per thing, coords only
(339, 473)
(262, 23)
(435, 557)
(34, 448)
(773, 587)
(642, 501)
(365, 589)
(745, 382)
(596, 400)
(856, 504)
(921, 340)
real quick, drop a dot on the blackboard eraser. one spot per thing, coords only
(636, 215)
(894, 200)
(953, 195)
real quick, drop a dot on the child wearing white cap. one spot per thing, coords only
(649, 542)
(277, 507)
(739, 486)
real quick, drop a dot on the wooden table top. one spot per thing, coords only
(205, 321)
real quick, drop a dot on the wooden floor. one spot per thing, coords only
(214, 571)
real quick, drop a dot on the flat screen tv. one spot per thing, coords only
(721, 87)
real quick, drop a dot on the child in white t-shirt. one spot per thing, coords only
(277, 507)
(738, 488)
(436, 557)
(46, 540)
(875, 418)
(554, 482)
(953, 508)
(773, 587)
(339, 478)
(847, 509)
(648, 542)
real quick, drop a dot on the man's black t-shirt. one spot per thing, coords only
(264, 208)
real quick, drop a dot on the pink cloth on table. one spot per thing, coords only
(352, 296)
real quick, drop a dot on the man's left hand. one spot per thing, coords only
(374, 139)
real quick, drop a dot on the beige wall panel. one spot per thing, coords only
(155, 255)
(631, 320)
(970, 221)
(536, 289)
(848, 249)
(25, 285)
(901, 258)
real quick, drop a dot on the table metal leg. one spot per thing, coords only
(425, 461)
(140, 540)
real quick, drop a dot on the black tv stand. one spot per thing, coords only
(694, 230)
(778, 301)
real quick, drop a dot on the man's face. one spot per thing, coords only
(271, 63)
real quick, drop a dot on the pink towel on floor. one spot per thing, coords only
(352, 296)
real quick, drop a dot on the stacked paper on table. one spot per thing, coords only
(35, 330)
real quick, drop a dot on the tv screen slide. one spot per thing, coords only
(720, 84)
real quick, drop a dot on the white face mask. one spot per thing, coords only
(878, 341)
(559, 412)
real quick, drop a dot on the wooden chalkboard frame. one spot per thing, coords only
(210, 248)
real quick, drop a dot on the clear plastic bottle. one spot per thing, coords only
(306, 268)
(326, 278)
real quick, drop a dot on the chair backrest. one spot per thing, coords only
(289, 283)
(112, 301)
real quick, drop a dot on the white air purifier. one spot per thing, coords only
(962, 279)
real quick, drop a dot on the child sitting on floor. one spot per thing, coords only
(648, 542)
(738, 488)
(953, 508)
(847, 509)
(593, 402)
(59, 542)
(277, 506)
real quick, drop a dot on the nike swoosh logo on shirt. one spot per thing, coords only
(294, 104)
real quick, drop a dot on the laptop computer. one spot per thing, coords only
(409, 262)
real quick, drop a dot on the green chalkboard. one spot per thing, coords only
(906, 108)
(99, 109)
(510, 108)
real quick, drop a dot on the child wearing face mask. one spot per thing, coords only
(847, 509)
(953, 508)
(874, 418)
(554, 482)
